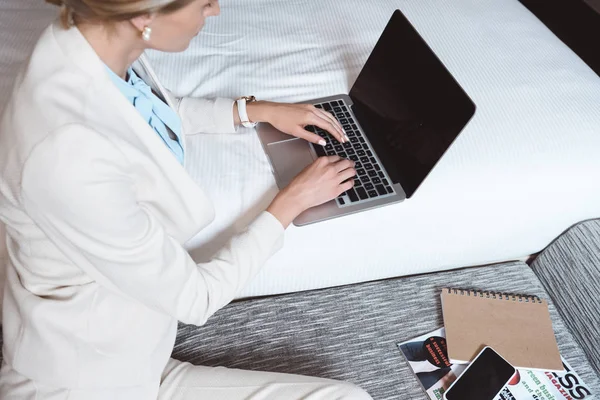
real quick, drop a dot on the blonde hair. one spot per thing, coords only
(112, 10)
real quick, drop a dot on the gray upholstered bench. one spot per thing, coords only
(570, 271)
(351, 332)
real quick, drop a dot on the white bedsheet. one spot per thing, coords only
(524, 169)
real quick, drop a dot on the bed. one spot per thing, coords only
(523, 170)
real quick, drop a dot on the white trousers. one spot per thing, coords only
(184, 381)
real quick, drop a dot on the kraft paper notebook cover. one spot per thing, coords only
(517, 327)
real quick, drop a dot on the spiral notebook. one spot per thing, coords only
(516, 326)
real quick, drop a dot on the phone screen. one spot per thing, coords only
(484, 378)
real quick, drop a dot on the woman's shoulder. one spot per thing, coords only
(39, 112)
(52, 94)
(51, 82)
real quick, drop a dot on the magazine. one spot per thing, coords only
(427, 356)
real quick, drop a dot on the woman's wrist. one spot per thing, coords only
(258, 111)
(285, 208)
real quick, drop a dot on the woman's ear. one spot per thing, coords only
(142, 21)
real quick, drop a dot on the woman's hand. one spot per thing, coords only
(323, 180)
(292, 118)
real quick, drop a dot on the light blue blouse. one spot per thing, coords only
(155, 111)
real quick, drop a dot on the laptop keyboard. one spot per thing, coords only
(370, 182)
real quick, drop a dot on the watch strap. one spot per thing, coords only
(243, 112)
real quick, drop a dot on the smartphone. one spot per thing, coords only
(483, 379)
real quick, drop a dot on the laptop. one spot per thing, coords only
(401, 115)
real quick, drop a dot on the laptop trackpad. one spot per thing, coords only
(289, 158)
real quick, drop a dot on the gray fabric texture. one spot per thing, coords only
(570, 271)
(350, 333)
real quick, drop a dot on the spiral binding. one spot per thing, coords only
(495, 295)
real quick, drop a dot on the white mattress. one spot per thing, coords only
(524, 169)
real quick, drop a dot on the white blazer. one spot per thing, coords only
(97, 210)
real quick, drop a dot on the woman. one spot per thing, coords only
(97, 206)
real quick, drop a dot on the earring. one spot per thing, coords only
(146, 33)
(67, 13)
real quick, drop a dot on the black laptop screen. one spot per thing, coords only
(409, 104)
